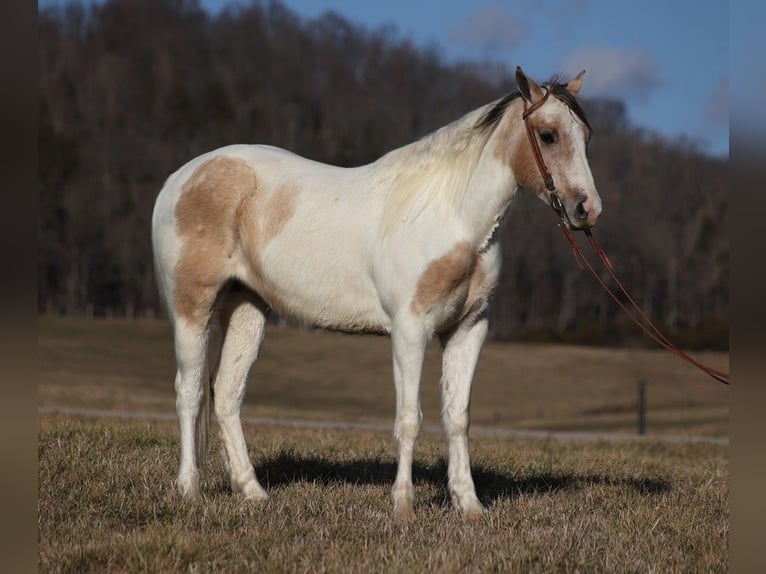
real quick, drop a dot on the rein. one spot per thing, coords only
(636, 314)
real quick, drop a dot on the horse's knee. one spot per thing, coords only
(407, 427)
(188, 398)
(455, 423)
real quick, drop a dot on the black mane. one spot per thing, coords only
(492, 117)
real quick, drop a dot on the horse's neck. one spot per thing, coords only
(491, 192)
(453, 171)
(492, 185)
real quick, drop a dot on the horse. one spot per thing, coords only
(405, 246)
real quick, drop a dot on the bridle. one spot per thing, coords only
(554, 199)
(565, 224)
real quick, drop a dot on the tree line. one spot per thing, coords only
(132, 89)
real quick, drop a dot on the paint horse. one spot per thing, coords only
(404, 246)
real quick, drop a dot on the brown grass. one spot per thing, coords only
(315, 375)
(107, 503)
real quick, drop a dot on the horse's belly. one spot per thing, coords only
(319, 286)
(302, 242)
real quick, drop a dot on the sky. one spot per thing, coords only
(747, 66)
(668, 60)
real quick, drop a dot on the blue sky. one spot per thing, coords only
(748, 64)
(668, 60)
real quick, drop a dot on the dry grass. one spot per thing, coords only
(107, 503)
(305, 375)
(107, 500)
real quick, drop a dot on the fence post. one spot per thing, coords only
(641, 406)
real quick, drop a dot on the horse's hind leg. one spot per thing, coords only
(243, 320)
(461, 348)
(191, 354)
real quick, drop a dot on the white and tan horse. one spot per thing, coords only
(403, 246)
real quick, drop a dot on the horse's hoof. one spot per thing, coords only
(189, 488)
(403, 514)
(254, 493)
(473, 514)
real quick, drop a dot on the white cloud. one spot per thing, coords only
(489, 29)
(630, 76)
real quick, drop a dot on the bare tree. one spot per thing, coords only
(131, 89)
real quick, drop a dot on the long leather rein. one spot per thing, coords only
(636, 314)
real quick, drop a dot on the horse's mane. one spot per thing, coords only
(433, 170)
(437, 169)
(558, 90)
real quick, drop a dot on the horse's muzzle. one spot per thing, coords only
(580, 211)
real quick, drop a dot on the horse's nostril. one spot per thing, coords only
(580, 210)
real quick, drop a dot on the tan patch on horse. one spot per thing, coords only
(221, 213)
(523, 164)
(278, 209)
(261, 219)
(477, 287)
(445, 277)
(516, 152)
(206, 212)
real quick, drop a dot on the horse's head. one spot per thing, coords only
(561, 132)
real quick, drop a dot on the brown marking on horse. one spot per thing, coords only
(222, 213)
(477, 286)
(478, 292)
(522, 162)
(517, 153)
(261, 219)
(444, 277)
(206, 214)
(278, 210)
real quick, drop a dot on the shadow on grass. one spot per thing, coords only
(288, 467)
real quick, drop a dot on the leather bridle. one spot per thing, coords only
(565, 224)
(554, 199)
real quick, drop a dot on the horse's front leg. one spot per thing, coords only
(461, 348)
(408, 340)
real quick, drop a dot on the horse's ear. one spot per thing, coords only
(530, 91)
(574, 86)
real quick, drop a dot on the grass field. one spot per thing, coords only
(327, 376)
(107, 503)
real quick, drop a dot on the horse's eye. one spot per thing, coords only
(548, 137)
